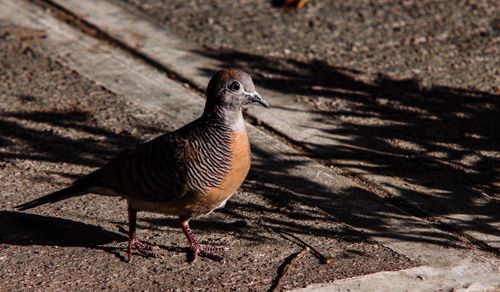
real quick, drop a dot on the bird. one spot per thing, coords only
(188, 172)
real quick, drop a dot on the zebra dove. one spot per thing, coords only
(188, 172)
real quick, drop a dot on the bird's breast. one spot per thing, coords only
(236, 174)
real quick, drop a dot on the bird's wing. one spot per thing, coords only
(154, 171)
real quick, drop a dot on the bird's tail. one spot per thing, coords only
(71, 191)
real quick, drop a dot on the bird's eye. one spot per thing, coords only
(235, 86)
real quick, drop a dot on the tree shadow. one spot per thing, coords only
(48, 145)
(443, 141)
(287, 202)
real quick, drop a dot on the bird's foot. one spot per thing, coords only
(142, 248)
(206, 251)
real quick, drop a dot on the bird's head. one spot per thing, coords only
(232, 89)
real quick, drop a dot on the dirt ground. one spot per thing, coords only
(57, 125)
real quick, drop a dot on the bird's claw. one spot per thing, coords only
(142, 248)
(206, 251)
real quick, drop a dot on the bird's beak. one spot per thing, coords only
(255, 97)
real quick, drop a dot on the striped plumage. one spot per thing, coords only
(188, 172)
(189, 160)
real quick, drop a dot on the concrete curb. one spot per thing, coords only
(465, 276)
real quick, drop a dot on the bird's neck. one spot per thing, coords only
(229, 118)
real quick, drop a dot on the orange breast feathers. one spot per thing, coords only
(240, 165)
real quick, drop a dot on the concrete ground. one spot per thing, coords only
(396, 203)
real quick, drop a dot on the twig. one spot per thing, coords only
(324, 259)
(293, 238)
(283, 270)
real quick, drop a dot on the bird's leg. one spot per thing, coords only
(198, 250)
(142, 248)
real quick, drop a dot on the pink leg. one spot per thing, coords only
(132, 237)
(198, 250)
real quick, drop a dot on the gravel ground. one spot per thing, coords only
(57, 125)
(412, 86)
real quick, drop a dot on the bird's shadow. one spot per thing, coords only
(29, 229)
(24, 229)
